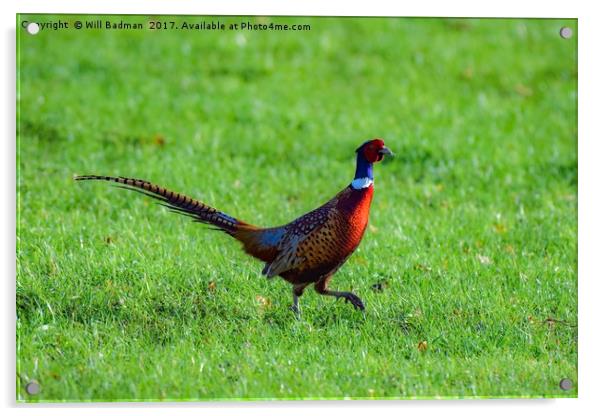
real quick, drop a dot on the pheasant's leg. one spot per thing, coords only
(295, 305)
(297, 292)
(322, 288)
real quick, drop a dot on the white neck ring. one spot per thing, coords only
(361, 183)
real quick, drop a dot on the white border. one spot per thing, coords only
(508, 8)
(590, 243)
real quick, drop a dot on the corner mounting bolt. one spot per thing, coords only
(32, 388)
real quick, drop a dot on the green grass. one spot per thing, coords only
(473, 227)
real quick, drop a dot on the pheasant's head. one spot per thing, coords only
(374, 150)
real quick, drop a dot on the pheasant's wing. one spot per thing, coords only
(289, 256)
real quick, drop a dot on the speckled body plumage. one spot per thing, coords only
(307, 250)
(316, 244)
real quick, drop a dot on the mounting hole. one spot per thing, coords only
(32, 388)
(566, 384)
(33, 28)
(566, 32)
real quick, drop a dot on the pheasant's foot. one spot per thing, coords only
(353, 299)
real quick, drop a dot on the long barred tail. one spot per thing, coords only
(176, 202)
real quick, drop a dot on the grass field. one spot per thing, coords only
(473, 233)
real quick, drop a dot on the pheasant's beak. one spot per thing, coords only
(385, 151)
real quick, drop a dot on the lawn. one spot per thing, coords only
(468, 269)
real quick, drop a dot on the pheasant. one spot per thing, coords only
(308, 250)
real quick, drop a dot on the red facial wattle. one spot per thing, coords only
(373, 150)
